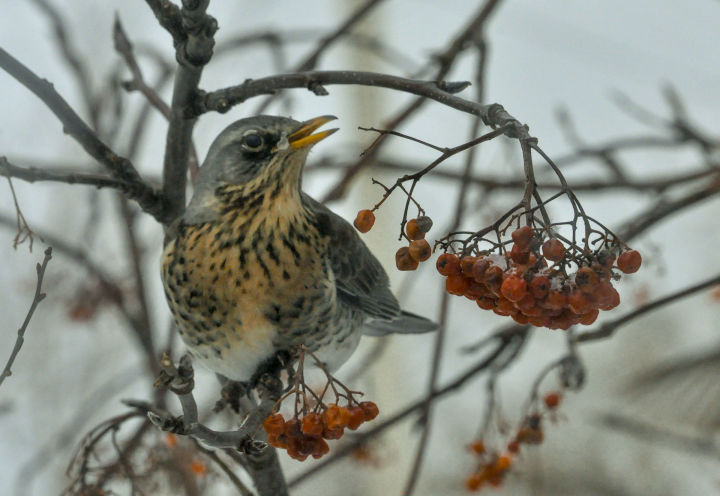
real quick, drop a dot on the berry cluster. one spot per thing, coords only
(307, 435)
(493, 466)
(531, 283)
(418, 249)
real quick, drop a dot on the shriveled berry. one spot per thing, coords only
(586, 279)
(424, 223)
(331, 434)
(519, 255)
(312, 424)
(420, 250)
(370, 410)
(466, 265)
(403, 260)
(479, 267)
(539, 286)
(357, 417)
(448, 264)
(552, 400)
(336, 416)
(364, 220)
(457, 285)
(514, 288)
(320, 448)
(292, 428)
(589, 317)
(413, 231)
(274, 424)
(629, 261)
(477, 447)
(553, 250)
(493, 278)
(522, 236)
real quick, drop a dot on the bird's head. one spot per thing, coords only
(258, 152)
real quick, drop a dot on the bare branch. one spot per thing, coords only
(37, 298)
(120, 167)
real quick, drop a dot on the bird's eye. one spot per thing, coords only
(252, 142)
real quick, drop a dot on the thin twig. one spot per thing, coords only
(37, 298)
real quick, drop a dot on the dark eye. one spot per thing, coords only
(252, 142)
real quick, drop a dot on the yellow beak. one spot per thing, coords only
(303, 136)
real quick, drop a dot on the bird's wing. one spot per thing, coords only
(360, 279)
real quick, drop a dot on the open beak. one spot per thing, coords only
(302, 137)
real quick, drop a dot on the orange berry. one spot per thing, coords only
(514, 288)
(477, 447)
(479, 267)
(485, 303)
(335, 433)
(586, 279)
(274, 424)
(420, 250)
(336, 416)
(312, 424)
(503, 463)
(494, 278)
(456, 285)
(466, 265)
(519, 255)
(448, 264)
(403, 260)
(607, 296)
(522, 236)
(370, 410)
(589, 317)
(629, 261)
(357, 417)
(513, 447)
(539, 286)
(553, 250)
(475, 290)
(552, 400)
(555, 300)
(579, 302)
(292, 429)
(364, 220)
(504, 305)
(320, 448)
(413, 231)
(474, 482)
(520, 318)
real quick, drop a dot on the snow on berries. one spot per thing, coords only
(533, 281)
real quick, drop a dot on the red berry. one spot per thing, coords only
(586, 279)
(274, 424)
(539, 286)
(420, 250)
(357, 417)
(589, 317)
(364, 220)
(466, 265)
(514, 288)
(456, 285)
(448, 264)
(370, 410)
(403, 260)
(519, 255)
(552, 400)
(522, 236)
(629, 261)
(312, 424)
(479, 267)
(553, 250)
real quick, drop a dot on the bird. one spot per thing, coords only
(255, 267)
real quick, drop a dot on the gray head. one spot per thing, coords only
(254, 151)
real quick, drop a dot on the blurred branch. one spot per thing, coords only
(37, 298)
(121, 168)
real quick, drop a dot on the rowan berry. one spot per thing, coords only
(514, 288)
(503, 463)
(320, 448)
(292, 428)
(274, 424)
(335, 433)
(522, 236)
(552, 400)
(474, 482)
(475, 290)
(466, 265)
(520, 318)
(420, 250)
(553, 250)
(357, 417)
(629, 261)
(519, 255)
(539, 286)
(607, 296)
(456, 285)
(586, 279)
(413, 231)
(504, 305)
(493, 278)
(479, 267)
(364, 220)
(424, 223)
(589, 317)
(370, 410)
(486, 303)
(555, 300)
(513, 447)
(477, 447)
(403, 260)
(336, 416)
(312, 424)
(448, 264)
(579, 302)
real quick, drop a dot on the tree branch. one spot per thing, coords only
(39, 296)
(121, 168)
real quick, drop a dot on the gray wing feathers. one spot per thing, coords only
(406, 323)
(360, 279)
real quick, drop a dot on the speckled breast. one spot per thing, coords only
(246, 286)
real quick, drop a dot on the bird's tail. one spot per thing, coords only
(405, 323)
